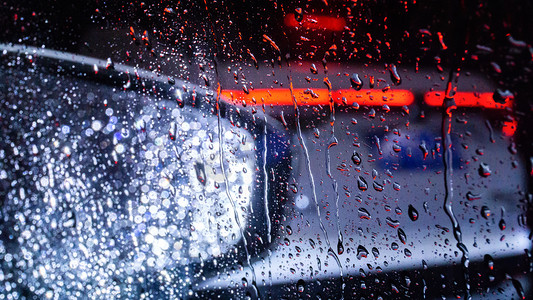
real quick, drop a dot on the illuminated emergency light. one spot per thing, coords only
(316, 22)
(468, 99)
(282, 97)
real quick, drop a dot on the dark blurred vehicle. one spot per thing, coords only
(348, 149)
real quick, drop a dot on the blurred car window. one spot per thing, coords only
(266, 150)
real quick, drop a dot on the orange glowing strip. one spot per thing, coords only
(316, 22)
(277, 97)
(467, 99)
(319, 97)
(374, 97)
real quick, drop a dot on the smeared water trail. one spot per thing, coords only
(221, 156)
(265, 179)
(312, 180)
(448, 106)
(333, 142)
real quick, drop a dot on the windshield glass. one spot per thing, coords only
(265, 149)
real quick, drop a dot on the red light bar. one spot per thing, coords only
(318, 97)
(374, 97)
(467, 99)
(316, 22)
(277, 97)
(509, 127)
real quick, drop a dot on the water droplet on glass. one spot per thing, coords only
(378, 144)
(109, 64)
(485, 212)
(424, 149)
(375, 252)
(396, 148)
(293, 187)
(300, 286)
(394, 76)
(298, 14)
(361, 252)
(407, 252)
(471, 196)
(313, 69)
(402, 236)
(364, 214)
(361, 183)
(396, 186)
(413, 213)
(340, 247)
(356, 82)
(378, 187)
(501, 224)
(501, 96)
(289, 230)
(394, 246)
(484, 170)
(392, 223)
(356, 158)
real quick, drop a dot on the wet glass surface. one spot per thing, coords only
(272, 150)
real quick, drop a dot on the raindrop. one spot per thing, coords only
(301, 286)
(394, 246)
(298, 14)
(375, 252)
(407, 252)
(424, 149)
(289, 230)
(109, 64)
(501, 97)
(361, 183)
(378, 187)
(396, 186)
(501, 224)
(361, 252)
(396, 148)
(394, 76)
(356, 158)
(413, 213)
(485, 212)
(471, 196)
(340, 247)
(489, 261)
(378, 144)
(392, 223)
(313, 69)
(294, 188)
(364, 214)
(484, 170)
(402, 236)
(316, 132)
(356, 82)
(200, 173)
